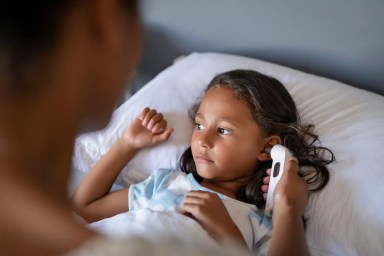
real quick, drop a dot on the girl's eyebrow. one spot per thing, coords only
(220, 118)
(198, 114)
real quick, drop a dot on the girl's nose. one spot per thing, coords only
(205, 139)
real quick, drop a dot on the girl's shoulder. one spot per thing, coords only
(163, 177)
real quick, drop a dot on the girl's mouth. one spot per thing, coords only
(202, 158)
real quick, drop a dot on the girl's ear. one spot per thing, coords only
(271, 141)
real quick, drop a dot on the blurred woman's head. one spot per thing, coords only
(83, 51)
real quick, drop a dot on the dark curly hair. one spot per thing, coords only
(274, 110)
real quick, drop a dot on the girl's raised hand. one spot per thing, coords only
(265, 187)
(148, 129)
(291, 191)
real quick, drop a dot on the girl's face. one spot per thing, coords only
(226, 142)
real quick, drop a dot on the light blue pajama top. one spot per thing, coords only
(165, 190)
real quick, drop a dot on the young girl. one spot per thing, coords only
(225, 171)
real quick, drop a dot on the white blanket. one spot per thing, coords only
(153, 225)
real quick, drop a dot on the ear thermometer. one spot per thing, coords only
(280, 155)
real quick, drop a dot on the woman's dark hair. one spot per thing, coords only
(275, 112)
(29, 28)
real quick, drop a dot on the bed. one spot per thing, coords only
(346, 218)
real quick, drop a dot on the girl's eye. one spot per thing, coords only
(223, 131)
(200, 126)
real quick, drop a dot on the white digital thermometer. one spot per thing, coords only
(280, 155)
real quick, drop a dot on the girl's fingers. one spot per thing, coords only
(199, 193)
(264, 188)
(193, 200)
(162, 136)
(266, 180)
(190, 204)
(158, 127)
(148, 116)
(196, 197)
(156, 124)
(143, 113)
(153, 120)
(158, 117)
(188, 209)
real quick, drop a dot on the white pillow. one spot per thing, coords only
(347, 217)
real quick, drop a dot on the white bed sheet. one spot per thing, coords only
(347, 217)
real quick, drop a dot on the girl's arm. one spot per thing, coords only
(290, 200)
(92, 200)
